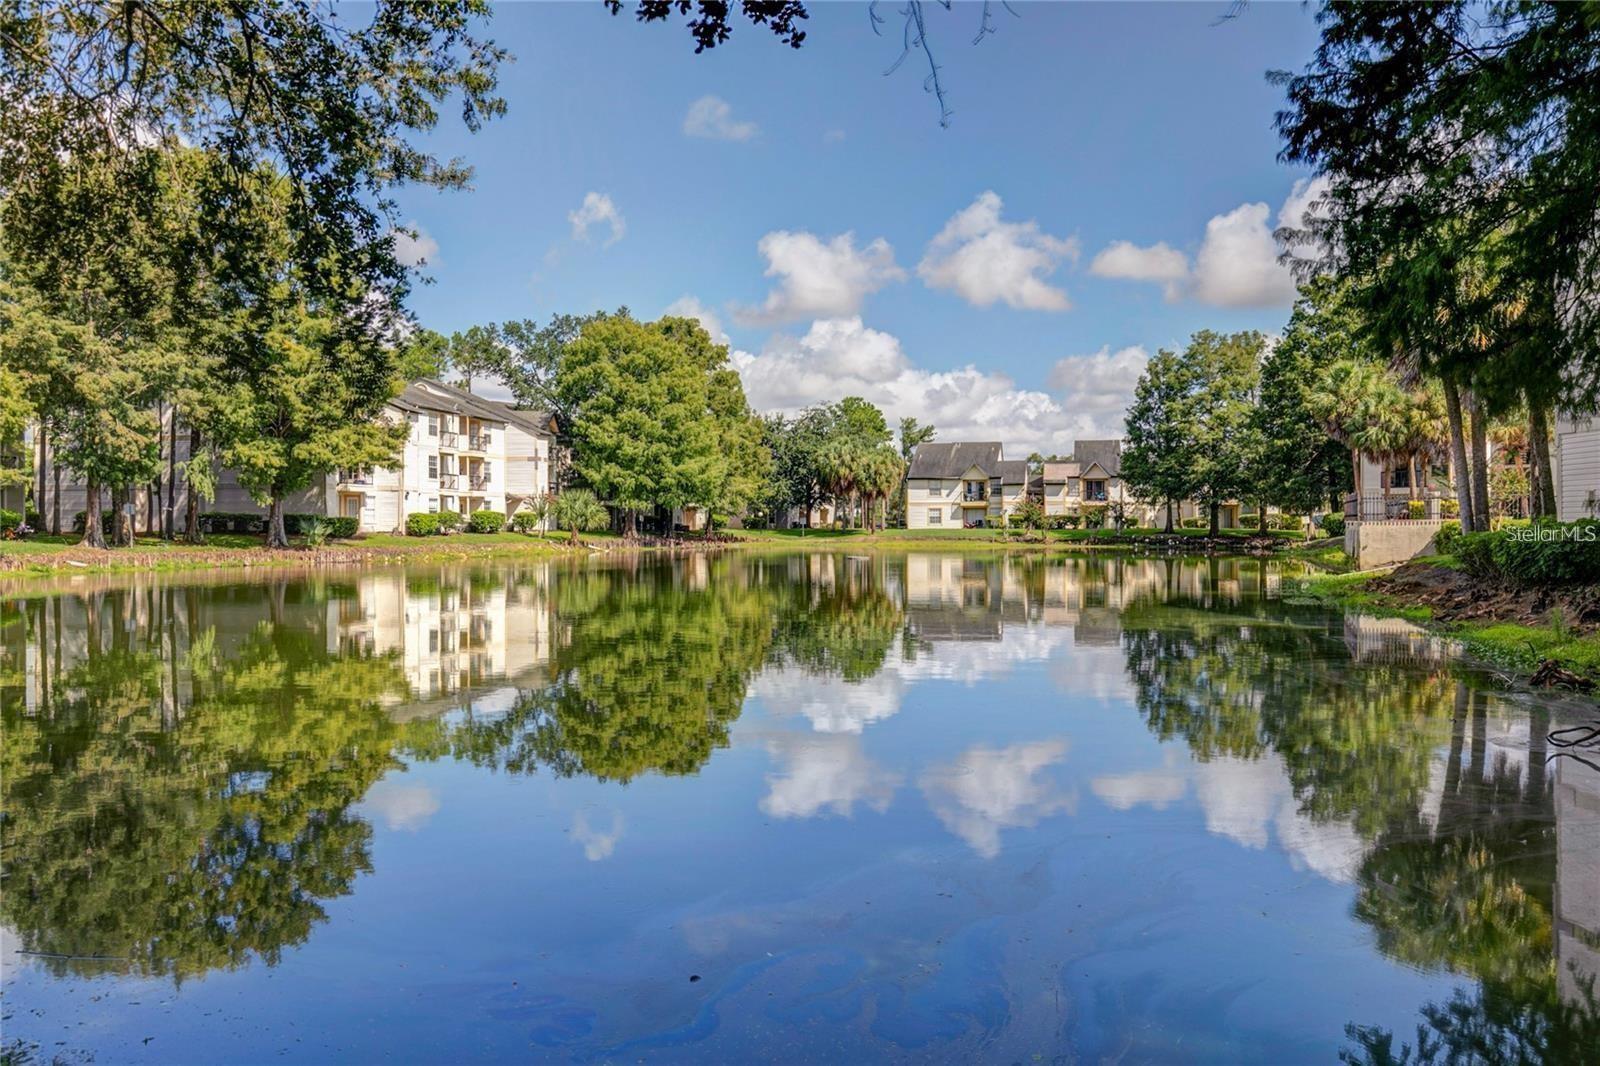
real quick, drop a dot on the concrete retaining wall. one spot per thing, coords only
(1373, 544)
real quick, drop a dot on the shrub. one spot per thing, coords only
(1550, 553)
(422, 525)
(9, 520)
(1094, 517)
(450, 521)
(1332, 524)
(1444, 541)
(314, 529)
(1475, 552)
(1194, 523)
(341, 527)
(1063, 521)
(237, 522)
(1416, 509)
(486, 521)
(35, 519)
(525, 522)
(1450, 508)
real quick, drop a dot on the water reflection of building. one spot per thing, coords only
(1373, 639)
(452, 633)
(1577, 896)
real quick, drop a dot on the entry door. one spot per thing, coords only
(352, 506)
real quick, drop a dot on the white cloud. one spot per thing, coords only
(987, 261)
(828, 773)
(1154, 788)
(413, 247)
(987, 790)
(820, 279)
(830, 703)
(1159, 262)
(1237, 265)
(597, 844)
(1239, 260)
(403, 807)
(1097, 388)
(689, 307)
(597, 207)
(843, 357)
(712, 117)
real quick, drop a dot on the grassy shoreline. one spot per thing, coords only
(47, 556)
(1517, 646)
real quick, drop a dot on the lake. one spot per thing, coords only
(778, 807)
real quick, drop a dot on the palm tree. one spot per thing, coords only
(578, 510)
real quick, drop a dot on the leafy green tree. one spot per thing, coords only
(330, 100)
(534, 354)
(1160, 460)
(423, 354)
(913, 433)
(1225, 370)
(1299, 466)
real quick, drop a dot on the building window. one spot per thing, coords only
(448, 502)
(935, 516)
(433, 466)
(433, 505)
(433, 425)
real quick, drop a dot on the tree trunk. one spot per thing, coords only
(1169, 516)
(169, 511)
(1458, 455)
(191, 505)
(1544, 485)
(1412, 471)
(93, 535)
(1261, 516)
(118, 497)
(55, 502)
(1480, 464)
(277, 537)
(1216, 515)
(44, 451)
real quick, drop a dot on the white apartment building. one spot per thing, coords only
(464, 453)
(952, 485)
(1577, 463)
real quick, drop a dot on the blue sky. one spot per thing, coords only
(1107, 185)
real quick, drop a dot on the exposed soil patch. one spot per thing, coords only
(1456, 596)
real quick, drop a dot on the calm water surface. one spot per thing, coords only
(819, 808)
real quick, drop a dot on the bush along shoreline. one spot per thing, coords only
(1525, 597)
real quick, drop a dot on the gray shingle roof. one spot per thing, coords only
(940, 459)
(426, 394)
(1108, 453)
(1060, 471)
(1012, 471)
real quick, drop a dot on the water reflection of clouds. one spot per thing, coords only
(825, 773)
(402, 806)
(987, 790)
(1248, 801)
(597, 844)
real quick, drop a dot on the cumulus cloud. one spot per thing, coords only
(597, 208)
(413, 247)
(1239, 262)
(820, 278)
(987, 790)
(829, 773)
(711, 117)
(687, 306)
(1153, 788)
(986, 260)
(1159, 262)
(843, 357)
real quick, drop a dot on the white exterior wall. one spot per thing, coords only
(937, 494)
(1577, 463)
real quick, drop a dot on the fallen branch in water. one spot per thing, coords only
(1551, 673)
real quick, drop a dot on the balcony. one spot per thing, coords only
(1398, 506)
(449, 481)
(477, 442)
(355, 477)
(975, 496)
(451, 441)
(479, 482)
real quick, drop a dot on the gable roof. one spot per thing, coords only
(1108, 453)
(530, 419)
(1012, 471)
(952, 459)
(426, 394)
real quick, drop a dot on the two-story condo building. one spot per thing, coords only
(1093, 478)
(951, 485)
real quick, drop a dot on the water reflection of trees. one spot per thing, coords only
(1457, 876)
(176, 796)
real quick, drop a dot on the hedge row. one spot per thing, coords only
(1541, 554)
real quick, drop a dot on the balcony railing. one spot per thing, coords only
(449, 440)
(480, 481)
(449, 481)
(478, 442)
(975, 496)
(355, 477)
(1398, 506)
